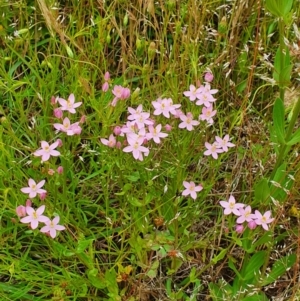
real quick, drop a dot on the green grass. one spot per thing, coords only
(130, 234)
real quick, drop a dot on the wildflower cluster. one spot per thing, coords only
(27, 213)
(244, 214)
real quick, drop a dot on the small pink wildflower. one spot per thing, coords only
(165, 106)
(191, 189)
(207, 114)
(263, 220)
(135, 146)
(224, 143)
(111, 142)
(231, 206)
(192, 93)
(34, 188)
(245, 215)
(205, 98)
(52, 227)
(69, 105)
(34, 216)
(155, 133)
(212, 150)
(188, 122)
(47, 151)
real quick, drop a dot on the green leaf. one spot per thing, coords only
(83, 244)
(285, 76)
(259, 297)
(278, 119)
(220, 256)
(279, 268)
(295, 138)
(95, 279)
(279, 8)
(262, 191)
(254, 264)
(273, 8)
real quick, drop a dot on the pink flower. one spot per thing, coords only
(28, 203)
(207, 89)
(111, 142)
(212, 150)
(135, 146)
(208, 77)
(188, 122)
(207, 114)
(34, 216)
(165, 106)
(52, 226)
(205, 98)
(192, 94)
(47, 150)
(263, 220)
(34, 188)
(191, 189)
(120, 93)
(69, 105)
(231, 206)
(21, 211)
(245, 215)
(155, 133)
(224, 143)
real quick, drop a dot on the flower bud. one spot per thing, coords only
(105, 87)
(43, 196)
(21, 211)
(60, 170)
(107, 76)
(60, 143)
(168, 128)
(58, 113)
(252, 225)
(208, 77)
(239, 228)
(28, 203)
(117, 130)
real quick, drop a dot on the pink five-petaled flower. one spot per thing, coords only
(47, 150)
(67, 127)
(224, 143)
(135, 142)
(165, 106)
(191, 189)
(52, 226)
(111, 142)
(263, 220)
(245, 215)
(192, 94)
(34, 216)
(207, 114)
(34, 188)
(187, 122)
(69, 105)
(155, 133)
(231, 206)
(212, 149)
